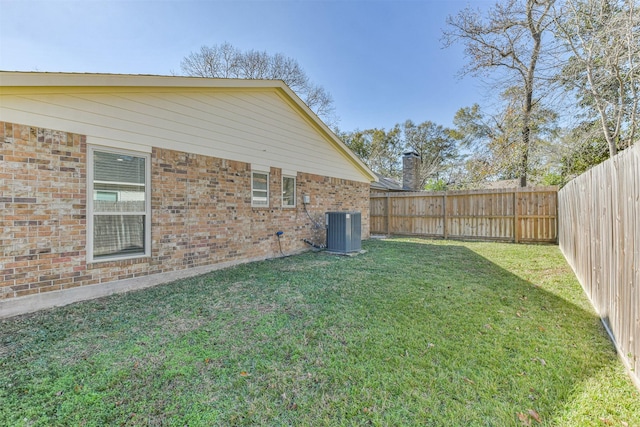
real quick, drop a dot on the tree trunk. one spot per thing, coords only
(524, 160)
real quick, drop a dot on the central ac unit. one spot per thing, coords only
(344, 232)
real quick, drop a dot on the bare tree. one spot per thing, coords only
(212, 61)
(603, 68)
(226, 61)
(508, 39)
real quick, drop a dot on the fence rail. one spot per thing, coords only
(600, 238)
(517, 215)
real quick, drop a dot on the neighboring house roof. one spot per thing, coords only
(262, 122)
(386, 184)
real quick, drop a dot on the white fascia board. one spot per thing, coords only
(38, 79)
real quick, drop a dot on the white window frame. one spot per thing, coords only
(253, 198)
(90, 204)
(294, 191)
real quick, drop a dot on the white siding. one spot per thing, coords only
(255, 126)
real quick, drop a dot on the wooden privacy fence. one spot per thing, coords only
(516, 214)
(600, 238)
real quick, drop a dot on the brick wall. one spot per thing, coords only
(201, 213)
(42, 210)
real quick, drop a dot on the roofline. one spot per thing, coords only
(54, 79)
(63, 79)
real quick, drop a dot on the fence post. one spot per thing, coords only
(444, 216)
(516, 222)
(388, 213)
(557, 230)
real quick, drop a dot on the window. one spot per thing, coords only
(119, 205)
(259, 189)
(288, 191)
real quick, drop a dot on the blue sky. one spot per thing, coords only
(382, 61)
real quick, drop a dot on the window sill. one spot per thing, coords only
(114, 259)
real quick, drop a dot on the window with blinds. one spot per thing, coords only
(119, 208)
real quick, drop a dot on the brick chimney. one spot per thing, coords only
(411, 171)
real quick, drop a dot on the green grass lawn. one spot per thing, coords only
(413, 332)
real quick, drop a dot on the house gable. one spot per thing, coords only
(254, 121)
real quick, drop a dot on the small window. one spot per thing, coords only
(288, 191)
(119, 205)
(259, 189)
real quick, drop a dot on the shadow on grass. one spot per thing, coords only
(410, 333)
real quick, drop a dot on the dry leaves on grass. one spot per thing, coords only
(527, 418)
(538, 359)
(524, 419)
(535, 415)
